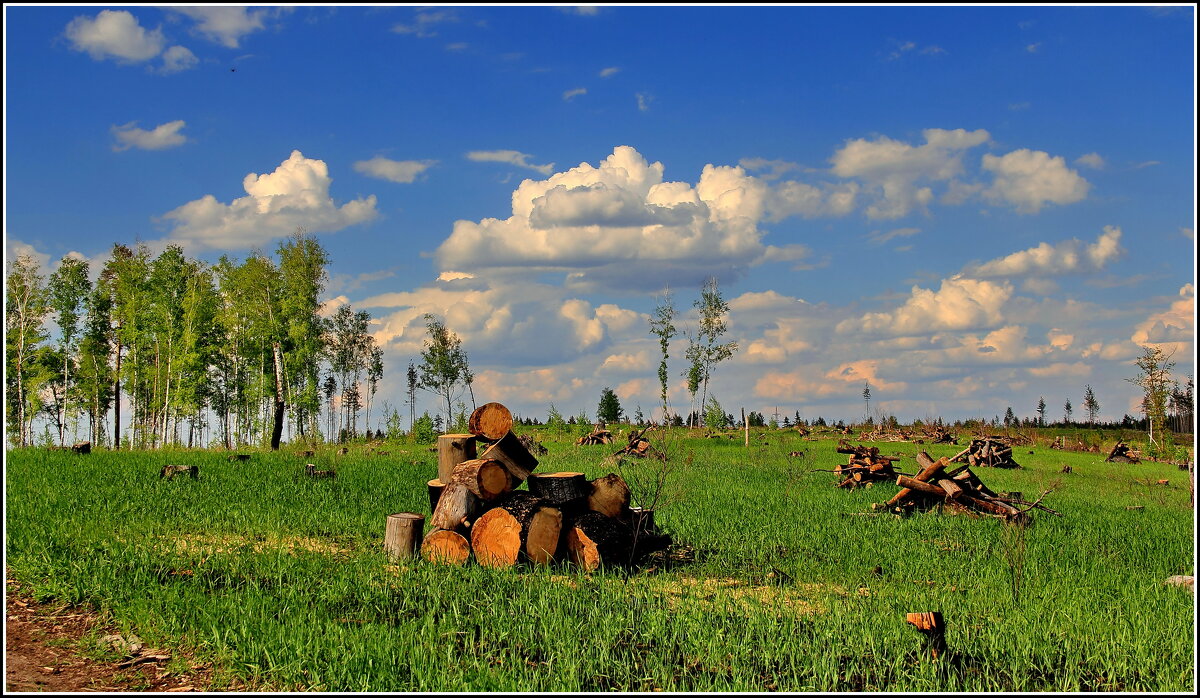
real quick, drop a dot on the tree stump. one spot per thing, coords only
(446, 548)
(170, 471)
(933, 628)
(311, 471)
(522, 528)
(402, 535)
(82, 447)
(513, 455)
(239, 457)
(491, 421)
(594, 540)
(559, 488)
(453, 449)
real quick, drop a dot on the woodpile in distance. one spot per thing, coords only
(639, 446)
(958, 490)
(865, 466)
(478, 510)
(1121, 453)
(988, 452)
(939, 435)
(598, 437)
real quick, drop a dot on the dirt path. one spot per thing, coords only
(45, 651)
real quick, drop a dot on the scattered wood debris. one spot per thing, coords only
(865, 466)
(1121, 453)
(639, 446)
(959, 490)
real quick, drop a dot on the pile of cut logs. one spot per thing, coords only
(477, 509)
(639, 446)
(939, 435)
(598, 436)
(865, 466)
(988, 452)
(1121, 453)
(959, 490)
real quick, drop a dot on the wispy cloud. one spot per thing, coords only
(161, 137)
(512, 157)
(401, 171)
(424, 23)
(644, 100)
(1092, 160)
(878, 237)
(1033, 48)
(609, 72)
(570, 94)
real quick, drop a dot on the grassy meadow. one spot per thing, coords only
(775, 582)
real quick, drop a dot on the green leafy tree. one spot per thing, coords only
(662, 325)
(866, 394)
(1010, 418)
(1041, 411)
(27, 305)
(444, 364)
(1154, 378)
(1067, 410)
(68, 289)
(707, 351)
(714, 414)
(609, 410)
(1091, 405)
(555, 421)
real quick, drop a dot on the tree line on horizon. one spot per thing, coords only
(231, 352)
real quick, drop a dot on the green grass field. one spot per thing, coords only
(281, 580)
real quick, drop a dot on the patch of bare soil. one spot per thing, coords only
(47, 648)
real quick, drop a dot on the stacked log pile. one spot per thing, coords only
(864, 467)
(1121, 453)
(478, 510)
(598, 437)
(988, 452)
(959, 490)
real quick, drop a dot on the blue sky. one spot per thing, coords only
(966, 207)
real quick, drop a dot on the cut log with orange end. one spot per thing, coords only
(523, 527)
(446, 547)
(491, 421)
(486, 479)
(610, 496)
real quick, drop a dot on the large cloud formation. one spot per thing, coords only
(295, 195)
(1067, 257)
(620, 225)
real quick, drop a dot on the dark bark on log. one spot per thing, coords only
(559, 488)
(594, 540)
(513, 455)
(435, 493)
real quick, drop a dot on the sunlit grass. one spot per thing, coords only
(282, 581)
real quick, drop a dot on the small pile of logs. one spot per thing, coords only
(311, 471)
(865, 466)
(478, 510)
(639, 446)
(959, 490)
(988, 452)
(1060, 443)
(533, 445)
(939, 435)
(597, 437)
(1121, 453)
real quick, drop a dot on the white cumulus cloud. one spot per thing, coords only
(1030, 179)
(114, 34)
(1067, 257)
(178, 58)
(895, 171)
(161, 137)
(295, 195)
(960, 304)
(224, 24)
